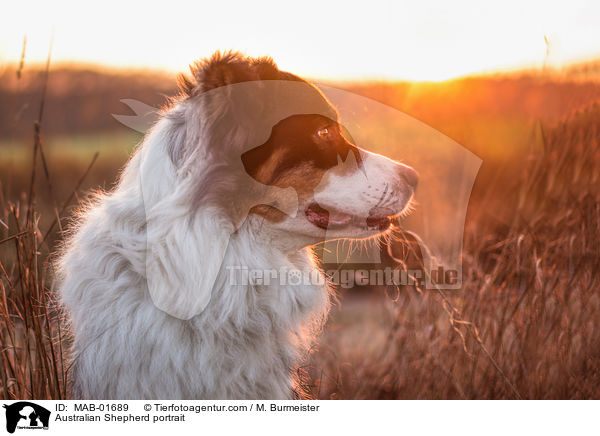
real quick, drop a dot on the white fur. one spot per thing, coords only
(144, 276)
(245, 345)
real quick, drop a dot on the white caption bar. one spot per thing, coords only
(44, 418)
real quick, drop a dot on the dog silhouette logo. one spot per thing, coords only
(26, 415)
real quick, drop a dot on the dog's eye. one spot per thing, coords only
(324, 133)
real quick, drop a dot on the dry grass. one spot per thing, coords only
(530, 298)
(33, 346)
(31, 334)
(526, 323)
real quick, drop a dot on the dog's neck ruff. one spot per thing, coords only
(246, 343)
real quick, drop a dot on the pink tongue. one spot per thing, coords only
(325, 219)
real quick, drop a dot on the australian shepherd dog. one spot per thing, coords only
(246, 170)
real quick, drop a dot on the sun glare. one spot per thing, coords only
(332, 41)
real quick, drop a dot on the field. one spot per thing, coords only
(526, 323)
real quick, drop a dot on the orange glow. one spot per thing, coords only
(326, 40)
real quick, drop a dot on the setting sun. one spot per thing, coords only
(325, 40)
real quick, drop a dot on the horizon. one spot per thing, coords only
(547, 71)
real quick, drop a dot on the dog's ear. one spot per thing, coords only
(223, 69)
(184, 249)
(231, 87)
(183, 260)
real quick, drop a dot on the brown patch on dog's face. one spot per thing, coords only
(299, 151)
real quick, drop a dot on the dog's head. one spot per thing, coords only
(343, 191)
(248, 143)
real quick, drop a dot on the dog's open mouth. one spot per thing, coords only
(380, 218)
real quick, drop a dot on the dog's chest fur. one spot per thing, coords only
(246, 344)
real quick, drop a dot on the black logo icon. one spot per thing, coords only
(24, 414)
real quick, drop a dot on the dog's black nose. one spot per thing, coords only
(409, 175)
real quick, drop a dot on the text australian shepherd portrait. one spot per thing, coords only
(248, 167)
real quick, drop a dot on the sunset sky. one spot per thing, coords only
(376, 39)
